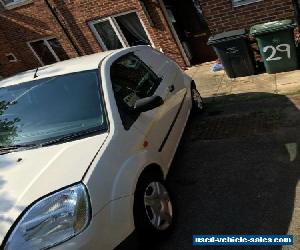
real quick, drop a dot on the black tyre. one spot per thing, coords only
(153, 209)
(197, 101)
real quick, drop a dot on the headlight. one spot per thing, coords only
(52, 220)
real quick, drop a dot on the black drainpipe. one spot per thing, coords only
(51, 8)
(297, 11)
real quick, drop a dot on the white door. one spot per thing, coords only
(131, 80)
(173, 92)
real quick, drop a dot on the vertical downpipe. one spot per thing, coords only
(70, 38)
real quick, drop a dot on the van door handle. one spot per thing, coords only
(171, 88)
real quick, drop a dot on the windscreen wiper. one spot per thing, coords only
(71, 137)
(8, 149)
(17, 146)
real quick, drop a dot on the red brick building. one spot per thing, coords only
(34, 33)
(225, 15)
(40, 32)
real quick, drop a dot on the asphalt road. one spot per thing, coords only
(237, 171)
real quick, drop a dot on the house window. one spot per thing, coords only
(48, 51)
(237, 3)
(120, 31)
(14, 3)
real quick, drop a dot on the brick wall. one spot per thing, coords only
(5, 65)
(30, 22)
(222, 16)
(35, 21)
(78, 13)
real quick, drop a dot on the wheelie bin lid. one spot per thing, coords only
(227, 36)
(269, 27)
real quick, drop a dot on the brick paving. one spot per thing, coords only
(237, 169)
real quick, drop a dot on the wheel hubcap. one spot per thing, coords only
(158, 206)
(197, 98)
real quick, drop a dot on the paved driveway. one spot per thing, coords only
(237, 170)
(218, 84)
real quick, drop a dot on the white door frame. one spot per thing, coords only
(164, 9)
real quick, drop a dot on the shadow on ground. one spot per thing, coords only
(236, 170)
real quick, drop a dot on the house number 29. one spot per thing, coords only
(281, 48)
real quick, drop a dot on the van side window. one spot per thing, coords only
(131, 80)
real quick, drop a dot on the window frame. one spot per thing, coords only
(117, 29)
(244, 2)
(15, 4)
(131, 116)
(48, 46)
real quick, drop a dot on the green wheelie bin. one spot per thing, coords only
(277, 45)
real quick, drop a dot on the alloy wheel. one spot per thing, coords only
(158, 206)
(197, 99)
